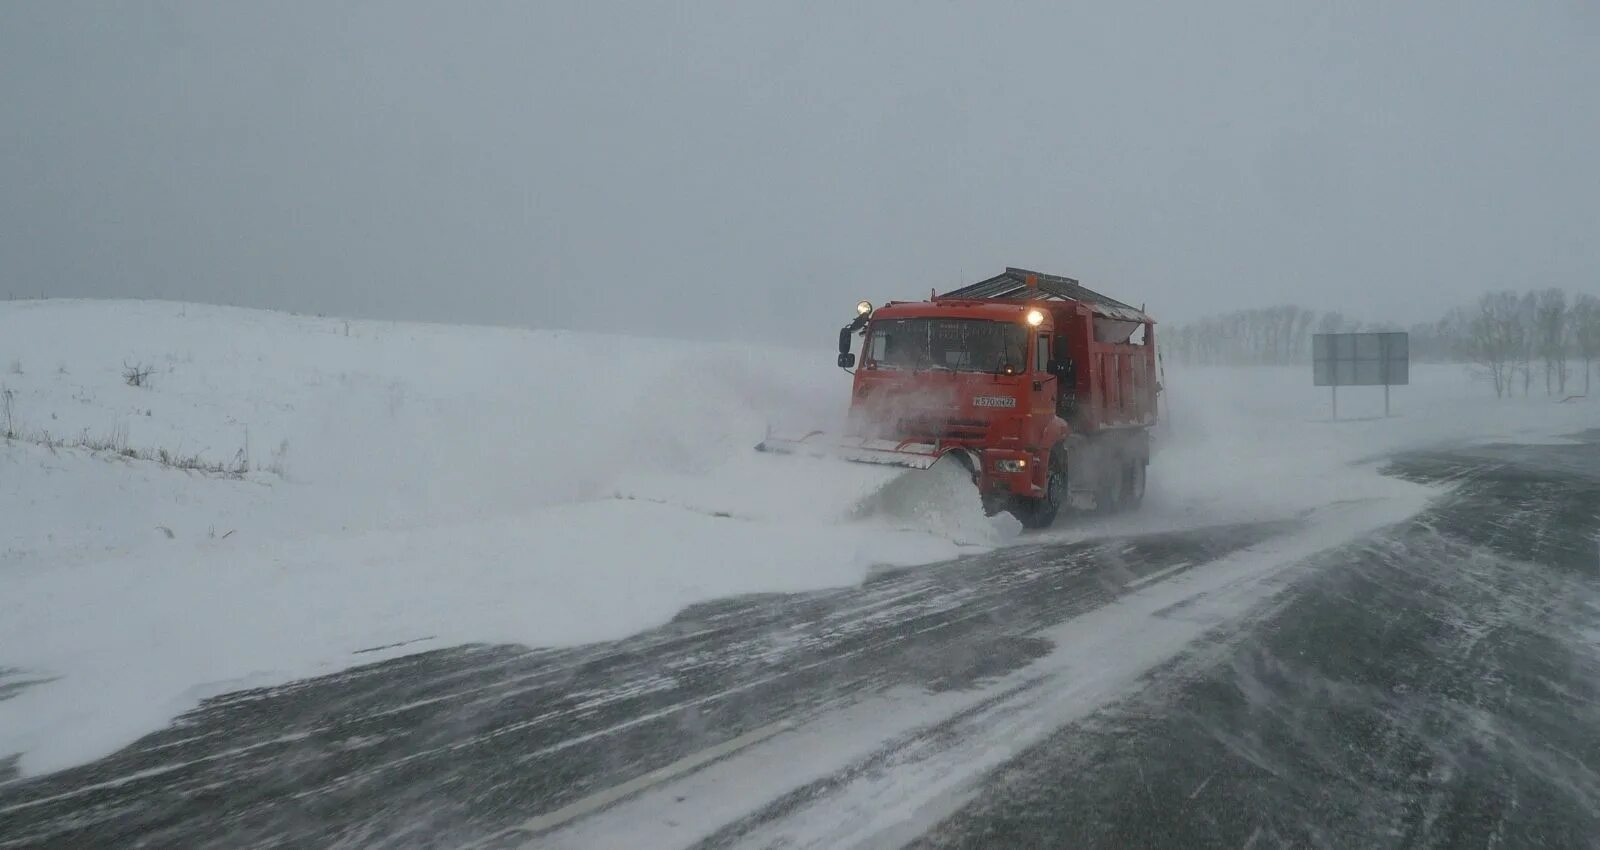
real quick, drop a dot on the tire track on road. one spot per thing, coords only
(476, 739)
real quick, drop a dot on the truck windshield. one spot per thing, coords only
(962, 345)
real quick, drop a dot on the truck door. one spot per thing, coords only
(1046, 386)
(1065, 394)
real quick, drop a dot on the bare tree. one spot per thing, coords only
(1504, 333)
(1550, 337)
(1271, 335)
(1440, 341)
(1496, 338)
(1302, 331)
(1451, 330)
(1527, 310)
(1585, 322)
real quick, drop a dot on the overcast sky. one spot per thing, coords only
(750, 170)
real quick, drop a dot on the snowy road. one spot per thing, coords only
(1434, 683)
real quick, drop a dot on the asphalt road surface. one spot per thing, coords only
(1434, 683)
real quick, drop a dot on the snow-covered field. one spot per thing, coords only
(415, 486)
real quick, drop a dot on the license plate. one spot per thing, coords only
(994, 401)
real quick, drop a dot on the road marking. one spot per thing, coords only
(1158, 574)
(595, 802)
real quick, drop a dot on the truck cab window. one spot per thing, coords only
(955, 345)
(1041, 354)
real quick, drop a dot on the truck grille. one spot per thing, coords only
(945, 429)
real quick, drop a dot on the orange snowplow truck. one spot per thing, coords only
(1045, 390)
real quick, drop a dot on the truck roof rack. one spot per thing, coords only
(1012, 284)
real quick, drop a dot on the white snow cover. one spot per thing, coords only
(416, 486)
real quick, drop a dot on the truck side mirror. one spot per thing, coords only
(844, 341)
(846, 360)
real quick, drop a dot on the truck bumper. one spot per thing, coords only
(1008, 472)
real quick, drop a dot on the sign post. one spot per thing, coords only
(1360, 360)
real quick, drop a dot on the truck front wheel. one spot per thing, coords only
(1041, 512)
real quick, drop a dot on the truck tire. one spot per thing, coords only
(1111, 489)
(1133, 485)
(1041, 513)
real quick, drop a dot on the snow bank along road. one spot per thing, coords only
(1428, 682)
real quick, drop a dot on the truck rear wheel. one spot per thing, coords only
(1112, 487)
(1133, 484)
(1041, 512)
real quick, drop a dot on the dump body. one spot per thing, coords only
(1020, 376)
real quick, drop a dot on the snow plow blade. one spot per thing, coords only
(908, 454)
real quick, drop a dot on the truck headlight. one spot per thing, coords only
(864, 307)
(1010, 465)
(1035, 318)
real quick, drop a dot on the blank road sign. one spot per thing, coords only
(1360, 360)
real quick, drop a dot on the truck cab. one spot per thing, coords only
(1044, 389)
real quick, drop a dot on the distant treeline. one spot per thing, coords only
(1513, 337)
